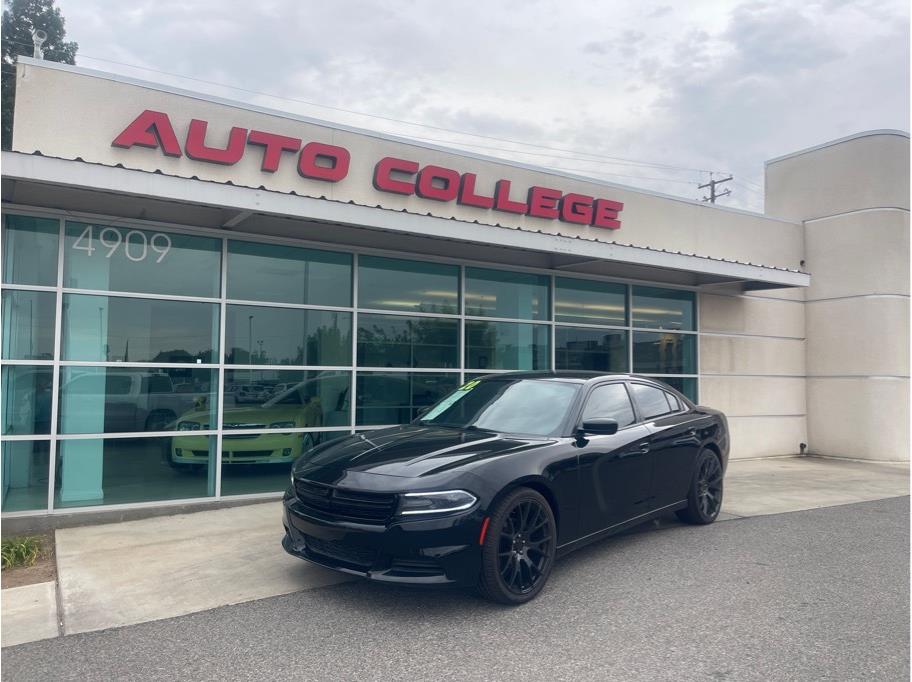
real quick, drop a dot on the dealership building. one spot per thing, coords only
(194, 291)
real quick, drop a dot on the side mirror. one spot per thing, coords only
(599, 427)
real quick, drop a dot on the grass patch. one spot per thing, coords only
(21, 551)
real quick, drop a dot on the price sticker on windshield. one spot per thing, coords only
(470, 385)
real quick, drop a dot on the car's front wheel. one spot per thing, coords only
(519, 548)
(704, 499)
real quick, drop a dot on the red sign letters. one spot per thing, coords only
(330, 163)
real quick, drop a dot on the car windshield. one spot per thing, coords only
(528, 406)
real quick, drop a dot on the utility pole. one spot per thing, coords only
(713, 195)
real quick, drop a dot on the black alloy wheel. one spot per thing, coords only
(519, 548)
(704, 499)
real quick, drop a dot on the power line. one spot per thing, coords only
(579, 156)
(620, 160)
(713, 195)
(614, 159)
(758, 192)
(598, 158)
(620, 175)
(750, 182)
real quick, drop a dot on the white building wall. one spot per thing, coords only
(853, 197)
(753, 367)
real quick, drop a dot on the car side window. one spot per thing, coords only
(652, 401)
(610, 401)
(676, 405)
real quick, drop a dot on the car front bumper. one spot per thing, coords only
(266, 448)
(439, 551)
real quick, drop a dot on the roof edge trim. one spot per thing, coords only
(161, 87)
(103, 178)
(833, 143)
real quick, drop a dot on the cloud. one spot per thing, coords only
(660, 11)
(722, 86)
(596, 47)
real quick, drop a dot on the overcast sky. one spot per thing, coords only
(697, 84)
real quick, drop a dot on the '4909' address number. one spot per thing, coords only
(136, 245)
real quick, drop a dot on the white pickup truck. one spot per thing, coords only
(133, 400)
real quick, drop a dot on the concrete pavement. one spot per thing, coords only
(29, 613)
(812, 595)
(755, 487)
(122, 573)
(125, 573)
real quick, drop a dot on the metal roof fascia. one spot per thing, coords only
(17, 165)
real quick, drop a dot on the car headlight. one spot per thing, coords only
(436, 502)
(188, 426)
(282, 425)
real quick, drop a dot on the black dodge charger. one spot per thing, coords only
(494, 482)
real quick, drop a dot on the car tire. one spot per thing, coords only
(519, 548)
(704, 497)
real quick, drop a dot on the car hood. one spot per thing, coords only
(247, 417)
(408, 451)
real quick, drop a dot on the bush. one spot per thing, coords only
(22, 551)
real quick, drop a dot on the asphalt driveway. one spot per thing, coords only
(820, 594)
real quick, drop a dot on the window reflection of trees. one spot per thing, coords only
(407, 342)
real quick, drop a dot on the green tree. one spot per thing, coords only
(19, 18)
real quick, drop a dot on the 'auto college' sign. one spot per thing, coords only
(330, 163)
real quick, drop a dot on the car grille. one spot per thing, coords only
(245, 455)
(241, 436)
(348, 505)
(419, 568)
(349, 554)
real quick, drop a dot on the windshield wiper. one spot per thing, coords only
(472, 427)
(461, 427)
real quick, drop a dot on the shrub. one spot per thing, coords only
(22, 551)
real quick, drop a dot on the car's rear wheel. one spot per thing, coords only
(519, 548)
(704, 499)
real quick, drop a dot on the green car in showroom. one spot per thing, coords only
(315, 403)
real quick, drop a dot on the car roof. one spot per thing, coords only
(581, 377)
(566, 375)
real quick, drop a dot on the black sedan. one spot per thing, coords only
(508, 472)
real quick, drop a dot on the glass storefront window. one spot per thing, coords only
(664, 353)
(134, 399)
(285, 274)
(500, 293)
(27, 399)
(261, 335)
(287, 365)
(281, 399)
(590, 302)
(398, 341)
(28, 325)
(30, 250)
(414, 286)
(113, 329)
(260, 464)
(686, 385)
(96, 471)
(656, 308)
(506, 345)
(396, 397)
(582, 348)
(111, 258)
(24, 476)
